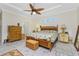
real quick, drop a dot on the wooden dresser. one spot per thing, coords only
(14, 33)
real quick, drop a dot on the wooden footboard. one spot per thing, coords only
(44, 43)
(47, 44)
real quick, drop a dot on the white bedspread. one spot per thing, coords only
(45, 35)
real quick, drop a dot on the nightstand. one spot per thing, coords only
(64, 37)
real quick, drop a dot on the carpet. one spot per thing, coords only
(13, 53)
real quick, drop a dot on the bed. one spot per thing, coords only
(47, 37)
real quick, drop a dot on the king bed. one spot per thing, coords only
(47, 36)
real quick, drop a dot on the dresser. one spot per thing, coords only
(14, 33)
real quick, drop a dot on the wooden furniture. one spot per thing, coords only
(63, 36)
(49, 28)
(33, 44)
(43, 42)
(14, 33)
(76, 44)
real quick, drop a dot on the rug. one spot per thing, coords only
(13, 53)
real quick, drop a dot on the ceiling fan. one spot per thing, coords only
(34, 10)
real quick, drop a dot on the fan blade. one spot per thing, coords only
(31, 6)
(27, 10)
(38, 12)
(40, 9)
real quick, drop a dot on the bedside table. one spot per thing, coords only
(64, 37)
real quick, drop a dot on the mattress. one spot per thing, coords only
(45, 35)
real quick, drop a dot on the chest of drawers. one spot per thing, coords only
(14, 33)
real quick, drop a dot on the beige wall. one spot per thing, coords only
(0, 22)
(78, 16)
(0, 26)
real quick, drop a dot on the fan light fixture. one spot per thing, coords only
(34, 13)
(34, 10)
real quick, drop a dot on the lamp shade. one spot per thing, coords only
(38, 27)
(63, 27)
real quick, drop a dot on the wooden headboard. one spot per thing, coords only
(49, 28)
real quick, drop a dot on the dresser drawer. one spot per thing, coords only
(14, 33)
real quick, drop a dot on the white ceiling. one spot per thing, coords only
(26, 5)
(49, 7)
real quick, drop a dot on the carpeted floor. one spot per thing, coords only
(60, 49)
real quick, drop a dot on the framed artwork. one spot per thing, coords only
(76, 44)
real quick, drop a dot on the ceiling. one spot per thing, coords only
(26, 5)
(55, 8)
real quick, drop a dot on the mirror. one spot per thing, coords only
(77, 40)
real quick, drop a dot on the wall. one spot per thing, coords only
(78, 16)
(11, 18)
(0, 26)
